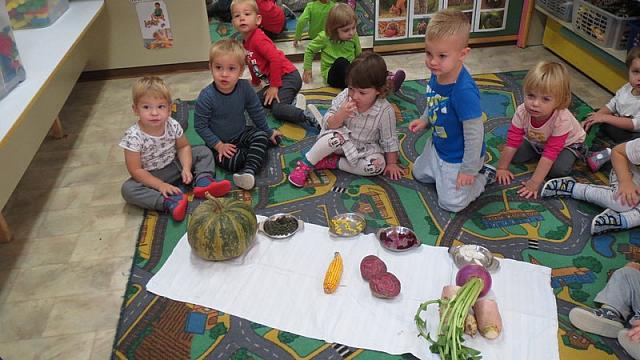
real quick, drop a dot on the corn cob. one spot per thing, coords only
(333, 274)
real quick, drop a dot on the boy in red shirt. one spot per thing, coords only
(267, 63)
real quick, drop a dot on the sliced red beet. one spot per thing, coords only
(385, 285)
(371, 265)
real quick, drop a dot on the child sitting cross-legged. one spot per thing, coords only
(158, 155)
(542, 128)
(620, 198)
(620, 118)
(359, 130)
(220, 116)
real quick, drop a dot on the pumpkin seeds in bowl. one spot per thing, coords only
(347, 224)
(281, 226)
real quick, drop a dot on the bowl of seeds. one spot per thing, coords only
(347, 224)
(280, 226)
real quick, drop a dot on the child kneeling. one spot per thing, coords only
(359, 130)
(157, 155)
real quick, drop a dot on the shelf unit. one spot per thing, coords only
(53, 58)
(606, 66)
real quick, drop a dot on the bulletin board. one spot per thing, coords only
(405, 21)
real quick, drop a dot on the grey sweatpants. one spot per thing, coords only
(622, 292)
(145, 197)
(603, 196)
(562, 166)
(429, 168)
(284, 109)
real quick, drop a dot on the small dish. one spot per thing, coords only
(280, 226)
(398, 238)
(474, 254)
(347, 224)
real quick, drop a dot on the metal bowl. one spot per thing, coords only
(474, 254)
(265, 227)
(398, 238)
(347, 224)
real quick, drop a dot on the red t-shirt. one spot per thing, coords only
(272, 16)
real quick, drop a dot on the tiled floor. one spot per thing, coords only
(63, 277)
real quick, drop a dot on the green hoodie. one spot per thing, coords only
(329, 51)
(315, 14)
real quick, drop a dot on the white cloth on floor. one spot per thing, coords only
(278, 283)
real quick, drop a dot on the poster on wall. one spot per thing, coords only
(402, 19)
(154, 24)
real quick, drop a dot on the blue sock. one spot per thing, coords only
(204, 181)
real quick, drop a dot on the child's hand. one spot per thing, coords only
(628, 193)
(394, 171)
(295, 43)
(187, 177)
(634, 332)
(417, 125)
(348, 108)
(275, 137)
(307, 76)
(529, 189)
(226, 150)
(270, 95)
(504, 176)
(464, 180)
(591, 120)
(167, 190)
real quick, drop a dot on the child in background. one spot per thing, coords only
(453, 157)
(274, 21)
(620, 198)
(359, 131)
(157, 155)
(219, 116)
(542, 128)
(338, 45)
(620, 118)
(619, 303)
(315, 14)
(267, 63)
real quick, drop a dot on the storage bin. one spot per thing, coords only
(35, 13)
(634, 35)
(11, 70)
(600, 26)
(562, 9)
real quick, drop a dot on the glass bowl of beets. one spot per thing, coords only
(280, 226)
(398, 238)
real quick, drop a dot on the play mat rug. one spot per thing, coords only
(553, 233)
(364, 11)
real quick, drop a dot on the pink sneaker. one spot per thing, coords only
(329, 162)
(300, 174)
(397, 79)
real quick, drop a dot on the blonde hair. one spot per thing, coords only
(369, 70)
(252, 4)
(448, 23)
(340, 15)
(550, 78)
(150, 85)
(228, 47)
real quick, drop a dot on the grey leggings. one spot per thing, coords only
(622, 292)
(284, 109)
(561, 167)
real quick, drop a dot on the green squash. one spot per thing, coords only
(221, 228)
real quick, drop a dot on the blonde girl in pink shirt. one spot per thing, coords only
(542, 128)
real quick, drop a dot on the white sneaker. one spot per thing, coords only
(608, 220)
(602, 321)
(244, 180)
(558, 187)
(300, 102)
